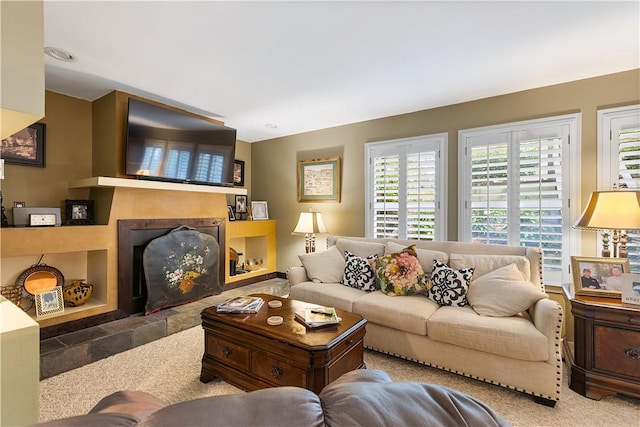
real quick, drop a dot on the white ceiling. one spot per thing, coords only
(311, 65)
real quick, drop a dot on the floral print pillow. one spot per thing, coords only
(400, 273)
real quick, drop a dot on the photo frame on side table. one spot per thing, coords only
(49, 302)
(79, 212)
(238, 173)
(259, 210)
(26, 147)
(599, 277)
(319, 180)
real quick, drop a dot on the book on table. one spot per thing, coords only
(315, 317)
(241, 304)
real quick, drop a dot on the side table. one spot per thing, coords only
(607, 349)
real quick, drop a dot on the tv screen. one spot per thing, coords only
(167, 145)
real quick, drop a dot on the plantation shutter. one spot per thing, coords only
(386, 196)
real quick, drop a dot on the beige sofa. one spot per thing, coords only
(521, 352)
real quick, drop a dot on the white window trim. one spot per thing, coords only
(441, 141)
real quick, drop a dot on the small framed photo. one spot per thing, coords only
(241, 204)
(238, 173)
(601, 277)
(49, 302)
(25, 147)
(79, 212)
(259, 210)
(232, 216)
(19, 204)
(319, 180)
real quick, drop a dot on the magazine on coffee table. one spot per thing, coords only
(315, 317)
(241, 304)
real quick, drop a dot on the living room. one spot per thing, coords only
(271, 162)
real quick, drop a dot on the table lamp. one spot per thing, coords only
(310, 223)
(617, 210)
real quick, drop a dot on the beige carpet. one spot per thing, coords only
(170, 369)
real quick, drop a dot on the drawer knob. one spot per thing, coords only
(276, 371)
(633, 320)
(226, 351)
(632, 353)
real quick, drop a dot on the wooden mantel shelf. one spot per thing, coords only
(105, 181)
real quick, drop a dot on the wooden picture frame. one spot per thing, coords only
(259, 210)
(26, 147)
(238, 173)
(319, 180)
(79, 212)
(600, 277)
(49, 302)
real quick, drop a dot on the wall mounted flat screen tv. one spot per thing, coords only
(167, 145)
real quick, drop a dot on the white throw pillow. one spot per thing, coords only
(324, 267)
(487, 263)
(503, 292)
(425, 256)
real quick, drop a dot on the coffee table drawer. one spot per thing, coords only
(276, 371)
(228, 352)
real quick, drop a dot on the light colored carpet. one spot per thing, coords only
(170, 369)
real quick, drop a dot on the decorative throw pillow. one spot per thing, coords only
(323, 267)
(503, 292)
(361, 248)
(359, 272)
(487, 263)
(400, 273)
(425, 256)
(449, 286)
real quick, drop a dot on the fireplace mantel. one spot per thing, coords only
(110, 182)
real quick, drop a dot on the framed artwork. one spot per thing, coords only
(259, 210)
(49, 302)
(238, 173)
(241, 204)
(26, 147)
(319, 180)
(79, 212)
(232, 216)
(602, 277)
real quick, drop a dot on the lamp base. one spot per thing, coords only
(309, 242)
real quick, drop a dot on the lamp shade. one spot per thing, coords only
(609, 210)
(310, 222)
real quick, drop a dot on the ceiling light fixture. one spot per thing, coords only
(271, 125)
(60, 54)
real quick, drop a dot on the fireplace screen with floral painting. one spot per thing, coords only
(180, 267)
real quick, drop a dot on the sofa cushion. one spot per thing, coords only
(514, 337)
(360, 272)
(407, 313)
(328, 294)
(449, 286)
(360, 248)
(324, 267)
(503, 292)
(425, 256)
(487, 263)
(400, 273)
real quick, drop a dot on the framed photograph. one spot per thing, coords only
(601, 277)
(79, 212)
(26, 147)
(232, 216)
(241, 204)
(259, 210)
(238, 173)
(319, 180)
(49, 302)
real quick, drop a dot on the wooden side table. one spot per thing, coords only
(607, 349)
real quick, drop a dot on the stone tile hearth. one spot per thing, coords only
(69, 351)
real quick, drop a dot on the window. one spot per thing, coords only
(619, 160)
(406, 188)
(515, 185)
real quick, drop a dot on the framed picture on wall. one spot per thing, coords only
(319, 180)
(238, 173)
(26, 147)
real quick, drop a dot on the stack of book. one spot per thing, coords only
(315, 317)
(242, 304)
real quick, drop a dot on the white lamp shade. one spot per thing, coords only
(310, 223)
(607, 210)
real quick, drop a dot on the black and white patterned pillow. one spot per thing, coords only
(449, 286)
(359, 272)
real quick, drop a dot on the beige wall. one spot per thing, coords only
(275, 161)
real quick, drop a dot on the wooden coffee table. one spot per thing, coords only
(243, 350)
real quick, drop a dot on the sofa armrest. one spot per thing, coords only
(297, 274)
(546, 315)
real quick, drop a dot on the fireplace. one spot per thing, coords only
(133, 237)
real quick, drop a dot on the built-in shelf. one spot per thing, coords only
(106, 181)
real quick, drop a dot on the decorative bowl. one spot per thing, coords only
(253, 264)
